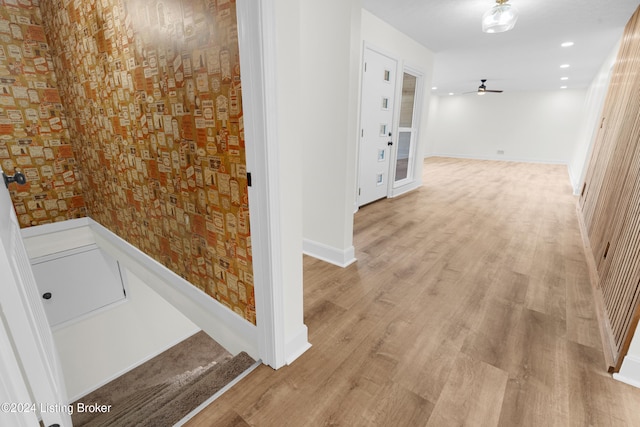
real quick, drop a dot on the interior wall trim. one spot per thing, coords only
(229, 329)
(340, 257)
(297, 345)
(606, 336)
(499, 158)
(257, 40)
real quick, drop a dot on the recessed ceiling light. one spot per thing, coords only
(450, 93)
(567, 44)
(563, 87)
(434, 88)
(565, 66)
(564, 78)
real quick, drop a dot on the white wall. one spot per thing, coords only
(329, 77)
(526, 126)
(410, 53)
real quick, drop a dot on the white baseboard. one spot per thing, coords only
(630, 371)
(298, 345)
(406, 188)
(229, 329)
(340, 257)
(499, 158)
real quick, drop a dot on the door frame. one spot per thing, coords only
(26, 329)
(13, 387)
(257, 42)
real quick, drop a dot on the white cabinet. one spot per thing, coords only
(76, 282)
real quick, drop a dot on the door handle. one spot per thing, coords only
(18, 177)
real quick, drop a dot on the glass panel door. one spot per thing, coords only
(408, 100)
(403, 154)
(406, 131)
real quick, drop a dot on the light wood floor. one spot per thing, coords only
(470, 304)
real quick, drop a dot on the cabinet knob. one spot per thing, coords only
(18, 177)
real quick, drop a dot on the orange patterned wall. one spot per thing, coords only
(153, 97)
(34, 138)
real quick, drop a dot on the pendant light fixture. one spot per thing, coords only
(500, 18)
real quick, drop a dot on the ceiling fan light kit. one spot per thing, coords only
(500, 18)
(482, 89)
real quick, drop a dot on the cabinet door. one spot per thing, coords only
(74, 283)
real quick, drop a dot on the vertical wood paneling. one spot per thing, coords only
(610, 204)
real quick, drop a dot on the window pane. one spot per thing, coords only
(408, 97)
(402, 161)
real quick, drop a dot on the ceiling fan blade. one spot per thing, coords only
(495, 91)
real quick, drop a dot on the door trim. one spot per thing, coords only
(257, 40)
(256, 47)
(13, 387)
(23, 316)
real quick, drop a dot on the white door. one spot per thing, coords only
(27, 325)
(376, 117)
(13, 390)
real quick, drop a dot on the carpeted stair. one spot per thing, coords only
(166, 388)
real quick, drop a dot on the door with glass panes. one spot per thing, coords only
(407, 131)
(377, 108)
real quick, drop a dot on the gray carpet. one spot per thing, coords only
(166, 388)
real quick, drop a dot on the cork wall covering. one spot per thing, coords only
(153, 97)
(34, 138)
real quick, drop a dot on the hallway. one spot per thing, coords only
(470, 304)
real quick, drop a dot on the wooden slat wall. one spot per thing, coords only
(610, 202)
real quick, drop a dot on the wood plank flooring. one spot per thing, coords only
(470, 304)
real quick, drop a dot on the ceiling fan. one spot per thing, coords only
(482, 89)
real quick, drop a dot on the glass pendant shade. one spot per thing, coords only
(500, 18)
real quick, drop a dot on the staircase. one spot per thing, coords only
(163, 390)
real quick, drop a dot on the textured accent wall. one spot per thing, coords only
(153, 97)
(34, 138)
(610, 199)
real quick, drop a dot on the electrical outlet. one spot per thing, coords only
(500, 151)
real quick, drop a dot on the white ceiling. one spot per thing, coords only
(525, 58)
